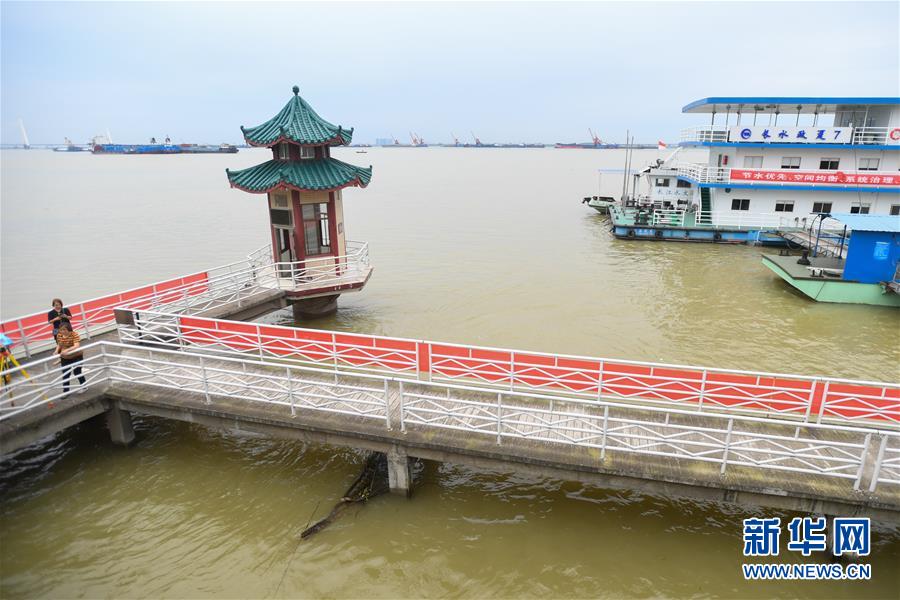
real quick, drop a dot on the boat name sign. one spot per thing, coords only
(792, 135)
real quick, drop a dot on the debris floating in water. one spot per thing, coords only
(372, 482)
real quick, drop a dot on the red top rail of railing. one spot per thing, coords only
(812, 398)
(33, 333)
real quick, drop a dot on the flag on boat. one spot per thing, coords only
(661, 145)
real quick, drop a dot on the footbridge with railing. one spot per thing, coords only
(815, 444)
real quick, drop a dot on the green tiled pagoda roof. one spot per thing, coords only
(297, 122)
(305, 175)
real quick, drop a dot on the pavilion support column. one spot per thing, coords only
(399, 471)
(314, 308)
(118, 421)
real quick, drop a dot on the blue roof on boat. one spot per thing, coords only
(888, 223)
(806, 104)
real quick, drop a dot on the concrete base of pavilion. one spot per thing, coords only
(314, 308)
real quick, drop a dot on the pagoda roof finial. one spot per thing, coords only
(299, 123)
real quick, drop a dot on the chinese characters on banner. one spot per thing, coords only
(807, 535)
(792, 135)
(835, 177)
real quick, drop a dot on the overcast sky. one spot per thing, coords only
(507, 71)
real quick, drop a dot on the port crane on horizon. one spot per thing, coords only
(596, 140)
(475, 137)
(416, 140)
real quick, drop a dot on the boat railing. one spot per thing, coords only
(747, 220)
(877, 135)
(714, 133)
(703, 173)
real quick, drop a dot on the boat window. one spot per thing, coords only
(895, 210)
(859, 209)
(662, 182)
(307, 152)
(284, 151)
(830, 164)
(868, 164)
(683, 184)
(753, 162)
(784, 207)
(790, 162)
(821, 207)
(740, 204)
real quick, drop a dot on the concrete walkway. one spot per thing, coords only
(655, 450)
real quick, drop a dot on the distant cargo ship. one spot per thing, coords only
(163, 149)
(589, 146)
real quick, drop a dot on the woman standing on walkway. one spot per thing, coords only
(68, 346)
(58, 316)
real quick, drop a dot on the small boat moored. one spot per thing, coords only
(601, 204)
(868, 275)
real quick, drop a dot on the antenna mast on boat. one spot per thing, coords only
(625, 177)
(25, 143)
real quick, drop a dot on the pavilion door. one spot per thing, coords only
(284, 250)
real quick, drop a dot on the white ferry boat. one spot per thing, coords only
(768, 165)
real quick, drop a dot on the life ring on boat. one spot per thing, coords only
(630, 233)
(659, 234)
(895, 134)
(717, 236)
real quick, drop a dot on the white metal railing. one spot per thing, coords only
(701, 389)
(703, 173)
(206, 290)
(746, 219)
(670, 433)
(714, 133)
(612, 428)
(876, 135)
(38, 384)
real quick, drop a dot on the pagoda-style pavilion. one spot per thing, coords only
(303, 183)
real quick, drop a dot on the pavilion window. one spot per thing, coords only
(284, 151)
(307, 152)
(316, 232)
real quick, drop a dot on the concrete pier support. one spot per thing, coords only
(314, 308)
(399, 471)
(119, 423)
